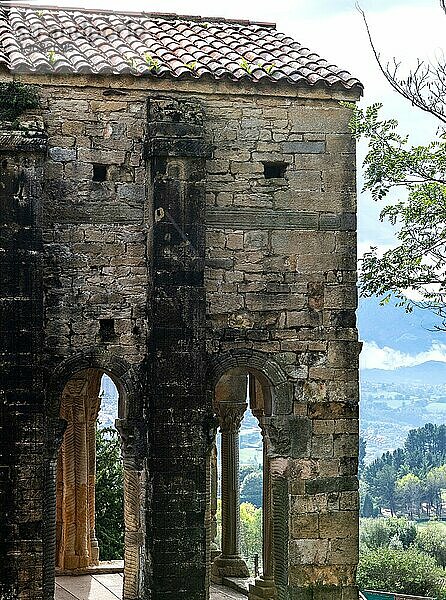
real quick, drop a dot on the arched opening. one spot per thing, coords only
(99, 488)
(239, 394)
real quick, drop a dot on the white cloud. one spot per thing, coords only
(374, 357)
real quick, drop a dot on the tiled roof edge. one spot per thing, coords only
(159, 15)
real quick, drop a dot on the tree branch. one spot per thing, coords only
(418, 86)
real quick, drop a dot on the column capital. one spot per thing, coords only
(231, 415)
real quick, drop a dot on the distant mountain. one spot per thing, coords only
(391, 326)
(427, 373)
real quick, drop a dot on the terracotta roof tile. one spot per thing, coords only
(62, 40)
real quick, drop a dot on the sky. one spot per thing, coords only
(405, 29)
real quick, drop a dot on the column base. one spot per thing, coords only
(228, 566)
(264, 588)
(214, 553)
(94, 551)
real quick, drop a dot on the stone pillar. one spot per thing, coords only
(76, 480)
(132, 445)
(92, 411)
(214, 490)
(22, 451)
(180, 410)
(230, 563)
(264, 586)
(55, 430)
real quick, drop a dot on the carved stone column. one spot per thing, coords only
(132, 446)
(92, 411)
(54, 436)
(76, 478)
(264, 586)
(214, 489)
(230, 563)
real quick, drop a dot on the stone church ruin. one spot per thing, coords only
(178, 211)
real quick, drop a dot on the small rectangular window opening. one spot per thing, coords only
(274, 170)
(99, 172)
(107, 330)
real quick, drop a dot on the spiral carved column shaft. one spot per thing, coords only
(264, 587)
(77, 545)
(214, 489)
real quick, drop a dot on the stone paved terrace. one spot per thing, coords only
(109, 587)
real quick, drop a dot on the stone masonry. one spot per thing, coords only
(167, 232)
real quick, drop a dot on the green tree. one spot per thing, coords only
(408, 489)
(431, 540)
(109, 495)
(400, 571)
(379, 533)
(383, 488)
(250, 532)
(418, 174)
(424, 449)
(434, 484)
(244, 471)
(417, 263)
(367, 508)
(251, 489)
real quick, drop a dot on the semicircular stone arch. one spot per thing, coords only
(126, 377)
(261, 365)
(129, 382)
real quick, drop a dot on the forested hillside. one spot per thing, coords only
(410, 480)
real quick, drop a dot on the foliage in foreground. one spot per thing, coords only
(109, 495)
(432, 540)
(418, 261)
(15, 98)
(400, 571)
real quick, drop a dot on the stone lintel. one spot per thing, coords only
(178, 147)
(253, 218)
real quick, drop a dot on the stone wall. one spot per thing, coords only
(280, 259)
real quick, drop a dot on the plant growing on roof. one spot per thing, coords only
(130, 61)
(191, 65)
(246, 66)
(270, 68)
(15, 98)
(52, 56)
(152, 63)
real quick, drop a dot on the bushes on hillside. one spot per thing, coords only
(400, 571)
(432, 541)
(381, 533)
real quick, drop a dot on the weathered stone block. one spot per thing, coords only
(322, 446)
(309, 552)
(62, 154)
(107, 157)
(305, 526)
(338, 524)
(303, 147)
